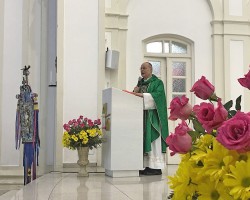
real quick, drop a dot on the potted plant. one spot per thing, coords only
(82, 134)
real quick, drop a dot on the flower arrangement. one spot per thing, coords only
(82, 132)
(214, 143)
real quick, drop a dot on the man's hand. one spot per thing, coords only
(136, 89)
(138, 94)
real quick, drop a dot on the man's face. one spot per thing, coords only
(146, 71)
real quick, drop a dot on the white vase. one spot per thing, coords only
(83, 153)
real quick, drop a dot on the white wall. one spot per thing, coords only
(190, 19)
(11, 80)
(237, 69)
(80, 63)
(23, 43)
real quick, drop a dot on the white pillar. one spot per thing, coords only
(77, 78)
(11, 63)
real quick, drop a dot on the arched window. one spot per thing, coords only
(171, 58)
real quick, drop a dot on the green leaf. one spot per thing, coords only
(228, 105)
(194, 135)
(197, 126)
(238, 102)
(231, 113)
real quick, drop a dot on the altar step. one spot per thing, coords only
(10, 184)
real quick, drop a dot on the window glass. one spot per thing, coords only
(154, 47)
(177, 95)
(179, 85)
(156, 67)
(178, 47)
(179, 68)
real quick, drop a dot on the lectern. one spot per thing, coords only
(122, 150)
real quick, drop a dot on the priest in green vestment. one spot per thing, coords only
(151, 89)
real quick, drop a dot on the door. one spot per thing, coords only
(176, 76)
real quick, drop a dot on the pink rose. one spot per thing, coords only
(245, 82)
(203, 88)
(66, 127)
(234, 134)
(180, 141)
(180, 108)
(75, 124)
(90, 123)
(209, 117)
(97, 122)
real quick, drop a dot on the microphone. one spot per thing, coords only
(139, 81)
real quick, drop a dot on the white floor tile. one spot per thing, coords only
(98, 186)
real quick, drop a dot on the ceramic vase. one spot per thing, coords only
(83, 161)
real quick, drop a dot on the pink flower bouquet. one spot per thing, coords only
(213, 140)
(82, 132)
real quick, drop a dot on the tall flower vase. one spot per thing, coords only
(83, 160)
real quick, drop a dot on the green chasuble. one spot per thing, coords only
(156, 120)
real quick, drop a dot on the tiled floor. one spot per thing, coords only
(10, 184)
(98, 186)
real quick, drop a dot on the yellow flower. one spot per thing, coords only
(99, 132)
(185, 157)
(82, 134)
(66, 139)
(85, 140)
(239, 180)
(217, 161)
(182, 182)
(66, 135)
(243, 156)
(92, 132)
(74, 138)
(198, 155)
(208, 190)
(204, 142)
(202, 146)
(82, 131)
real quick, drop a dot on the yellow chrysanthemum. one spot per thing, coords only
(239, 180)
(74, 138)
(99, 132)
(198, 155)
(66, 139)
(217, 161)
(82, 134)
(182, 183)
(65, 134)
(66, 143)
(184, 157)
(204, 142)
(243, 156)
(92, 132)
(195, 165)
(85, 140)
(208, 190)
